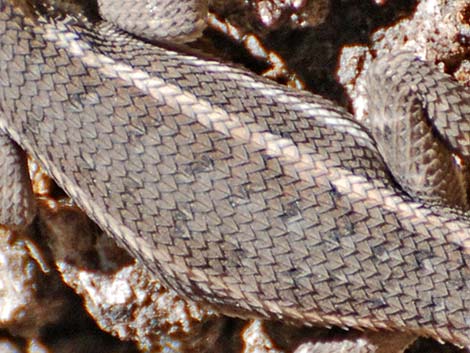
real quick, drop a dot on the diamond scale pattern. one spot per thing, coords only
(173, 157)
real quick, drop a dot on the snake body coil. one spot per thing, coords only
(258, 199)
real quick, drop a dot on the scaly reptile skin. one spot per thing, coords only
(257, 199)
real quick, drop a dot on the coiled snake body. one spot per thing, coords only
(258, 199)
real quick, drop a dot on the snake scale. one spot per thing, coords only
(260, 200)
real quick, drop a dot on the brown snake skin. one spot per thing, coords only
(260, 200)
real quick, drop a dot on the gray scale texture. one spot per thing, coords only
(259, 200)
(437, 107)
(15, 185)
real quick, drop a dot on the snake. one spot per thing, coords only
(259, 200)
